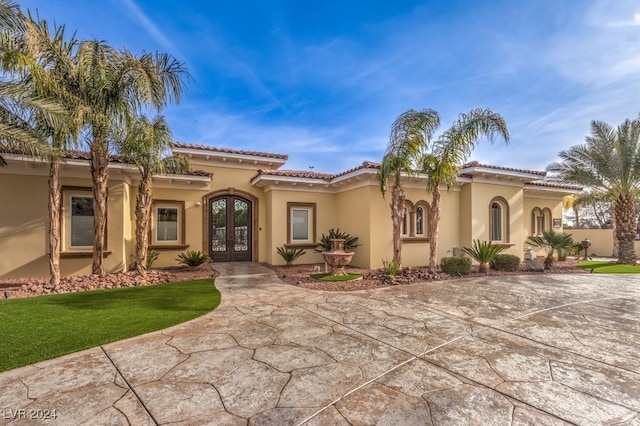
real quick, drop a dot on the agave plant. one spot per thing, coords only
(483, 252)
(552, 242)
(289, 254)
(325, 241)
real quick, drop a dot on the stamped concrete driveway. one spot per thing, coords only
(540, 350)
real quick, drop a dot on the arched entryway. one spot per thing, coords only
(229, 221)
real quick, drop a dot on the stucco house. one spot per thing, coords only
(241, 206)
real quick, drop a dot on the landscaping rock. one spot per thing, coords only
(26, 287)
(534, 266)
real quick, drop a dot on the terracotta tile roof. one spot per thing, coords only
(86, 156)
(228, 150)
(364, 165)
(552, 184)
(295, 173)
(315, 175)
(508, 169)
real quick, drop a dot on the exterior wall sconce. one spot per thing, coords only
(198, 203)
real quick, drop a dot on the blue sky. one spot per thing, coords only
(322, 81)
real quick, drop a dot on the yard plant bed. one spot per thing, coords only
(45, 327)
(27, 287)
(300, 275)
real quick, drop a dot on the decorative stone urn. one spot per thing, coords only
(337, 258)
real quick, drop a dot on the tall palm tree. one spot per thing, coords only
(410, 135)
(448, 153)
(147, 145)
(18, 102)
(33, 57)
(115, 85)
(609, 162)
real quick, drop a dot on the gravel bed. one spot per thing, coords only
(299, 275)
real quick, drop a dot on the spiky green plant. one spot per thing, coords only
(483, 252)
(192, 258)
(552, 242)
(289, 254)
(325, 241)
(390, 266)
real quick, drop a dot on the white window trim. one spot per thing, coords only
(68, 195)
(166, 204)
(310, 208)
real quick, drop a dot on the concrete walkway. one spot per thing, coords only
(513, 350)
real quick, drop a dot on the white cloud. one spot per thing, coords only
(150, 27)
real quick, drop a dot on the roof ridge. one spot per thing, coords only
(229, 150)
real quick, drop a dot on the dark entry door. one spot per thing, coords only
(230, 229)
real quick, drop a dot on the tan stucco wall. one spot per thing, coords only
(276, 228)
(358, 222)
(24, 227)
(481, 195)
(601, 240)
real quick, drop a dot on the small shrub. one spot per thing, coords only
(505, 262)
(289, 254)
(192, 258)
(152, 256)
(483, 252)
(390, 267)
(456, 265)
(325, 241)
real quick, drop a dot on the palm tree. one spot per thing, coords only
(448, 153)
(18, 102)
(115, 85)
(552, 242)
(410, 134)
(35, 58)
(609, 162)
(147, 144)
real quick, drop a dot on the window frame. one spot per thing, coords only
(69, 195)
(179, 243)
(310, 208)
(410, 224)
(504, 221)
(541, 221)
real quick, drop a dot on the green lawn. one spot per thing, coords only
(39, 328)
(607, 267)
(330, 277)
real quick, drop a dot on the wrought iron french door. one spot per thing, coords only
(230, 229)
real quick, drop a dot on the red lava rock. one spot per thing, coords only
(26, 287)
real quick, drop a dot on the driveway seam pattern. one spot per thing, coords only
(550, 350)
(442, 345)
(131, 388)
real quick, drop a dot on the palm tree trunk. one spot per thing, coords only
(616, 243)
(55, 197)
(100, 176)
(575, 212)
(434, 228)
(397, 216)
(626, 227)
(143, 219)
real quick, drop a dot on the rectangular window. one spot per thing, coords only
(301, 227)
(167, 223)
(81, 223)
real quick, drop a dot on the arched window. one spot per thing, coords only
(540, 220)
(422, 219)
(499, 220)
(419, 220)
(407, 221)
